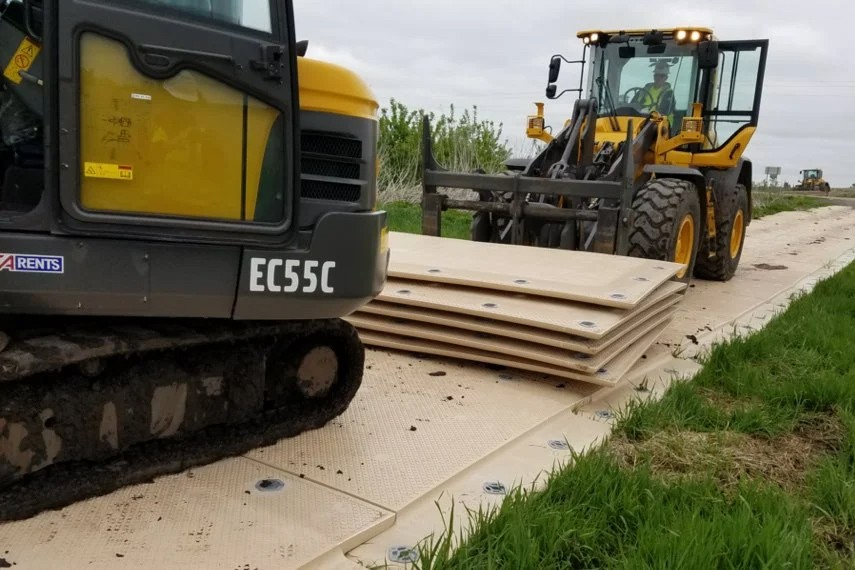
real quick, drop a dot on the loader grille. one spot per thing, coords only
(331, 156)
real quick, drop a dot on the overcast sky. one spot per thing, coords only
(494, 54)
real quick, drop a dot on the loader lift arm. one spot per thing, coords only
(613, 189)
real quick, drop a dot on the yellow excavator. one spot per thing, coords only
(187, 210)
(650, 163)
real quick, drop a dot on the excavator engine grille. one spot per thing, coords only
(331, 167)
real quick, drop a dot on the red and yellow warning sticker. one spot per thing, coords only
(23, 59)
(111, 171)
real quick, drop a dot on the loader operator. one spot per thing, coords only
(658, 95)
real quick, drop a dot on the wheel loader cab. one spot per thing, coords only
(708, 103)
(195, 123)
(627, 82)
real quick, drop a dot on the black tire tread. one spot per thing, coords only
(718, 268)
(656, 206)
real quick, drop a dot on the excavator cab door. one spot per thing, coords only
(175, 119)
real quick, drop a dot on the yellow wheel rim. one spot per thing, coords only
(736, 233)
(685, 243)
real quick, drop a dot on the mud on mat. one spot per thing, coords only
(235, 513)
(418, 421)
(608, 280)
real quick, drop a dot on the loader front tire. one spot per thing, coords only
(731, 214)
(667, 223)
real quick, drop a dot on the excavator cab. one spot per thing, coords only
(177, 124)
(187, 210)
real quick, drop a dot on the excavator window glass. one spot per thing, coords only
(254, 14)
(188, 146)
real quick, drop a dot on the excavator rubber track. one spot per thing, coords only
(91, 405)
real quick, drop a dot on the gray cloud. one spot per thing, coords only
(494, 54)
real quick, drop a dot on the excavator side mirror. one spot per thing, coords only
(708, 54)
(550, 91)
(554, 68)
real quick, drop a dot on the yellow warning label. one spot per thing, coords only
(22, 60)
(112, 171)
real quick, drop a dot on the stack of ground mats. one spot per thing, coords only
(577, 315)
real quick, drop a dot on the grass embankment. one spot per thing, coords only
(407, 218)
(768, 203)
(749, 465)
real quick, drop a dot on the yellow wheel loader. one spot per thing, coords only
(187, 210)
(813, 181)
(649, 164)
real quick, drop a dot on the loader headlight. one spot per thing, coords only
(681, 35)
(696, 35)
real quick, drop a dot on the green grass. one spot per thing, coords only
(751, 464)
(768, 203)
(407, 218)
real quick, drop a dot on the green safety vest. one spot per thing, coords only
(656, 93)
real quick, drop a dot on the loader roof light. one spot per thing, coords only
(691, 35)
(595, 38)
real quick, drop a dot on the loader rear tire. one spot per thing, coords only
(731, 214)
(667, 223)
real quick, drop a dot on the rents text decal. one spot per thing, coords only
(21, 263)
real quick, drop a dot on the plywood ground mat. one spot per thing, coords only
(595, 278)
(581, 362)
(527, 333)
(568, 317)
(607, 376)
(575, 315)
